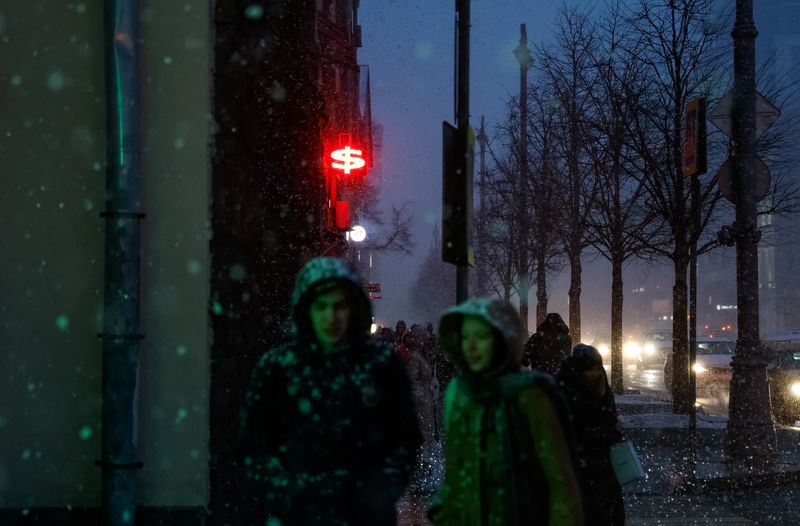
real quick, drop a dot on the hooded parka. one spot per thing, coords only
(328, 436)
(597, 429)
(507, 457)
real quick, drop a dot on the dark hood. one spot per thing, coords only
(500, 315)
(317, 275)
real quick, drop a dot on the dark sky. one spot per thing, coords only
(408, 46)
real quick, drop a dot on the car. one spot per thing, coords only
(654, 346)
(631, 351)
(712, 365)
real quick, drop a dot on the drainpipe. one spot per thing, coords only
(122, 216)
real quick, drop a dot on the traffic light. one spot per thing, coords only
(457, 170)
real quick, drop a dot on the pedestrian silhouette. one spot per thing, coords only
(549, 346)
(595, 414)
(328, 431)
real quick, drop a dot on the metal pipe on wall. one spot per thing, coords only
(121, 332)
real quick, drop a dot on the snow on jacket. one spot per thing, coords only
(328, 437)
(507, 457)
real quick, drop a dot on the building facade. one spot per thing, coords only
(237, 101)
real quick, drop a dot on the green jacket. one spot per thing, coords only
(507, 461)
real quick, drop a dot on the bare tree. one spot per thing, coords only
(503, 222)
(397, 236)
(434, 288)
(622, 225)
(676, 40)
(544, 183)
(566, 70)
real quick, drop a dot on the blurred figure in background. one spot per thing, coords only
(549, 346)
(399, 331)
(595, 414)
(428, 467)
(386, 336)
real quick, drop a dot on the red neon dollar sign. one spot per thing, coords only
(350, 159)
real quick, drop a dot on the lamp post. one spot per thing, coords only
(525, 59)
(750, 440)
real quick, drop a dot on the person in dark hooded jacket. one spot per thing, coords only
(328, 430)
(595, 414)
(549, 346)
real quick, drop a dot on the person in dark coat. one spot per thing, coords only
(595, 414)
(549, 346)
(425, 388)
(328, 430)
(399, 331)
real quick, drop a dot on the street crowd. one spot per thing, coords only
(468, 425)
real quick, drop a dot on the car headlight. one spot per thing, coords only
(603, 350)
(698, 368)
(649, 348)
(631, 350)
(795, 388)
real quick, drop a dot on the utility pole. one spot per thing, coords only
(750, 440)
(525, 59)
(458, 151)
(462, 123)
(482, 139)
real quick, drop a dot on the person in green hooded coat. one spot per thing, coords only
(508, 459)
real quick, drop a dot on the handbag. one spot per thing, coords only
(625, 461)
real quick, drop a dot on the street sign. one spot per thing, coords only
(457, 173)
(694, 138)
(722, 116)
(374, 291)
(725, 180)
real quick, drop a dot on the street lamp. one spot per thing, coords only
(357, 234)
(750, 439)
(525, 59)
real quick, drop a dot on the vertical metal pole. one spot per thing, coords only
(525, 60)
(750, 440)
(482, 140)
(695, 189)
(462, 118)
(122, 215)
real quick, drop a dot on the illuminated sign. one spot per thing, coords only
(349, 159)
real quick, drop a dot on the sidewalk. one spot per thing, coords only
(682, 488)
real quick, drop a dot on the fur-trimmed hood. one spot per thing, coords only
(500, 315)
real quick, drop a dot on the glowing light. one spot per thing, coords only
(631, 349)
(350, 159)
(796, 389)
(604, 350)
(649, 348)
(358, 234)
(698, 368)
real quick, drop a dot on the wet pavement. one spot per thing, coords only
(688, 485)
